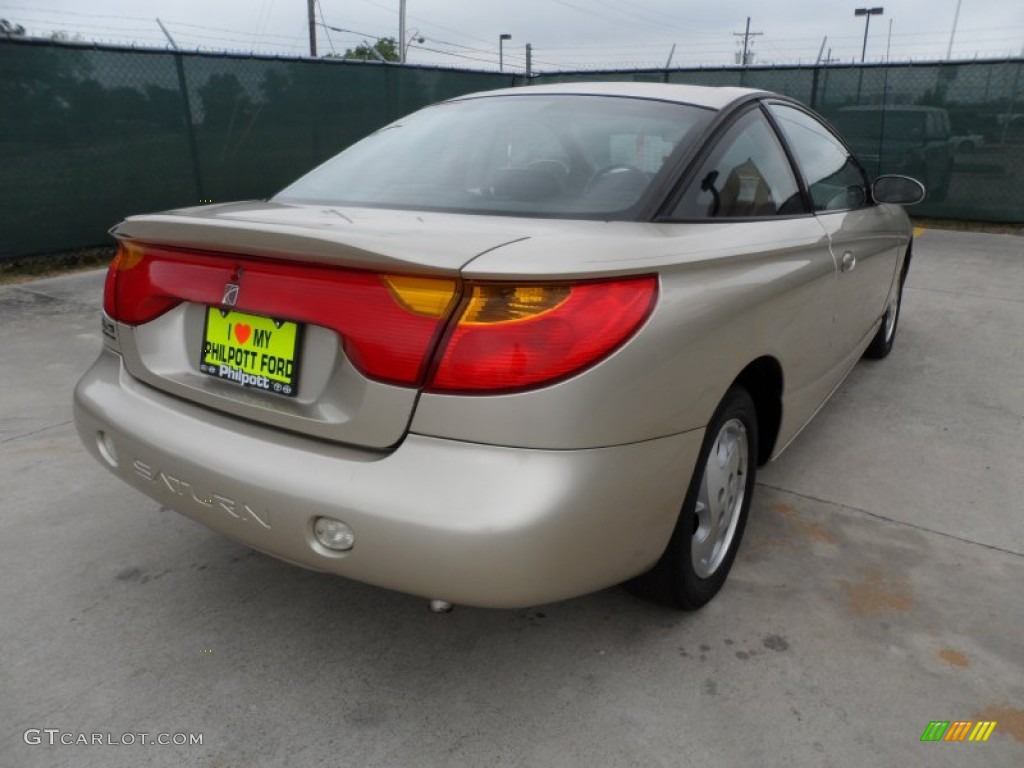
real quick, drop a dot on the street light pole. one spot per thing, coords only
(501, 50)
(414, 37)
(867, 13)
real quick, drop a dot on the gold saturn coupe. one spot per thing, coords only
(513, 348)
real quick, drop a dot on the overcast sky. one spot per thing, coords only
(566, 34)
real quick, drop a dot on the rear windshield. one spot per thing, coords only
(514, 155)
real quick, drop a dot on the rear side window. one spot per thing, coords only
(747, 175)
(835, 180)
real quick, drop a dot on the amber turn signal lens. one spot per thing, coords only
(490, 304)
(428, 296)
(129, 255)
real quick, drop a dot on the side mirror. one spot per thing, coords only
(901, 190)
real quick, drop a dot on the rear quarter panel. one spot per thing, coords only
(729, 293)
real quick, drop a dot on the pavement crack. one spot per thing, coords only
(894, 521)
(35, 432)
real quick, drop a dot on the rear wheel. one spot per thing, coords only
(703, 546)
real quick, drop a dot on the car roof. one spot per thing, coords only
(698, 95)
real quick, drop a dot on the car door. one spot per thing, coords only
(778, 271)
(862, 235)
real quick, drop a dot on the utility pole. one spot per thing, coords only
(747, 53)
(312, 27)
(401, 32)
(814, 78)
(824, 86)
(529, 61)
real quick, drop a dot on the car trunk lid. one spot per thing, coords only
(335, 312)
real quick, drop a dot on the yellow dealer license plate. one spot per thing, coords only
(251, 350)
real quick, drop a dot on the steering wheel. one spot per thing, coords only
(848, 197)
(555, 167)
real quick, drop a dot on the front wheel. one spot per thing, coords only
(881, 344)
(710, 527)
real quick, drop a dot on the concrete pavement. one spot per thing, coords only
(880, 587)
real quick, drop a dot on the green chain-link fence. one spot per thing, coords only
(89, 135)
(956, 126)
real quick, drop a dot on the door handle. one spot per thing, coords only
(849, 261)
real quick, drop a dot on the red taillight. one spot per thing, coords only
(128, 294)
(517, 337)
(110, 286)
(388, 324)
(507, 337)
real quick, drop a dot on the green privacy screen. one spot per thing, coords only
(90, 135)
(956, 126)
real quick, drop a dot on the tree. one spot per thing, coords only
(60, 36)
(163, 105)
(9, 29)
(288, 92)
(225, 101)
(385, 49)
(36, 87)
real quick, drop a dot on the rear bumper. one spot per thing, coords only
(463, 522)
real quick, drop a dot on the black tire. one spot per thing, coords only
(675, 580)
(881, 345)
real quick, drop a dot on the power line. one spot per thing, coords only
(633, 22)
(412, 45)
(151, 34)
(707, 49)
(175, 24)
(427, 22)
(653, 13)
(449, 53)
(327, 31)
(350, 31)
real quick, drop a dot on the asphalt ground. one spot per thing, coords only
(880, 587)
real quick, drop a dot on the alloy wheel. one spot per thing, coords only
(720, 498)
